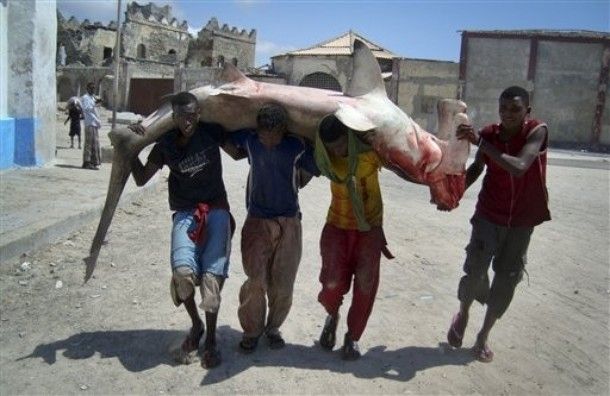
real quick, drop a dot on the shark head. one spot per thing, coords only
(405, 147)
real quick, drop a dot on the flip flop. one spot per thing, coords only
(455, 335)
(483, 354)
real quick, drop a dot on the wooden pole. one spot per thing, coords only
(117, 50)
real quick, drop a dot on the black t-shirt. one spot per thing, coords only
(195, 169)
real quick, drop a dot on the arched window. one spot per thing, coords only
(234, 61)
(107, 52)
(171, 52)
(321, 80)
(221, 61)
(141, 51)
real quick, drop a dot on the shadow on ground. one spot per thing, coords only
(70, 166)
(378, 362)
(139, 350)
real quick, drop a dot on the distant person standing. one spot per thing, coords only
(92, 153)
(75, 114)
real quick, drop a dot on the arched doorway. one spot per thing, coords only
(321, 80)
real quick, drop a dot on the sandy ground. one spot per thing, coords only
(115, 334)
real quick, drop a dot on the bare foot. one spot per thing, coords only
(191, 342)
(211, 356)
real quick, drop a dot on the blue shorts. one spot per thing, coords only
(213, 255)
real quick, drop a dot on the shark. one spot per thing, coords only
(416, 155)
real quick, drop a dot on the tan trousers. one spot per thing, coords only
(271, 252)
(92, 153)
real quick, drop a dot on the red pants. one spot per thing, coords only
(348, 254)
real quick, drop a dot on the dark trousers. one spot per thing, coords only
(503, 247)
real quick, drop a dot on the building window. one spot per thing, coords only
(321, 80)
(142, 51)
(221, 61)
(107, 52)
(171, 52)
(234, 61)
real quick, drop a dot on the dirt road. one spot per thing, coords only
(114, 334)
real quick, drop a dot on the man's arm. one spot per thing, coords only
(233, 143)
(234, 152)
(475, 169)
(515, 165)
(143, 173)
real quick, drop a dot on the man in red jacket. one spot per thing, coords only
(513, 200)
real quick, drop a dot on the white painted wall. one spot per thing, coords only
(32, 34)
(3, 58)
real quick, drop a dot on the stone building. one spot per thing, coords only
(155, 47)
(150, 33)
(566, 73)
(216, 45)
(86, 43)
(327, 64)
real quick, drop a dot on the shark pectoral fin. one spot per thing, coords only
(354, 119)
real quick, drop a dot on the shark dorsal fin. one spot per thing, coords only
(230, 73)
(366, 76)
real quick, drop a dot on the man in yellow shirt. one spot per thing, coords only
(352, 239)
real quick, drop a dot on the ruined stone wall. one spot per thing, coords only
(90, 44)
(72, 80)
(98, 41)
(215, 45)
(238, 52)
(146, 40)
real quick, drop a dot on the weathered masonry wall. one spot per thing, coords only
(27, 79)
(566, 75)
(421, 84)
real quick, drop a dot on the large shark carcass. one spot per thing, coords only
(403, 146)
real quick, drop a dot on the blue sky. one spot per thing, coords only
(415, 29)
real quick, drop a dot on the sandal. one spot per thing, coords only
(328, 338)
(275, 341)
(455, 335)
(248, 344)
